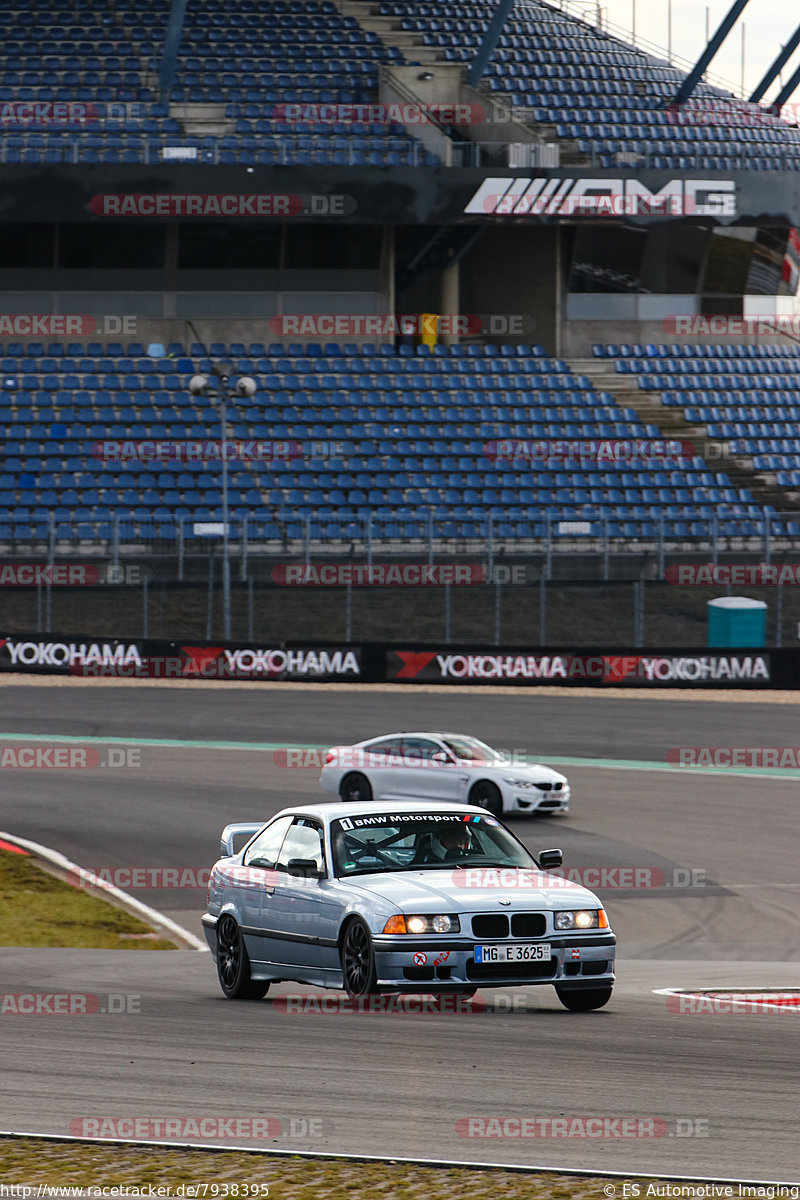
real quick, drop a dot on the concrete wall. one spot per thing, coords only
(518, 271)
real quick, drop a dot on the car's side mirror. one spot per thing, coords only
(550, 858)
(305, 867)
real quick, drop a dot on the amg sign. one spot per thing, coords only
(519, 197)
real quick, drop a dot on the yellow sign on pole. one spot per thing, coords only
(428, 326)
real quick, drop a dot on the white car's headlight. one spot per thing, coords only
(582, 918)
(519, 783)
(438, 923)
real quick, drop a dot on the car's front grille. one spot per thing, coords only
(557, 787)
(545, 787)
(496, 925)
(528, 924)
(527, 970)
(492, 925)
(550, 804)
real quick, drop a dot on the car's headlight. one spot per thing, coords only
(439, 923)
(581, 918)
(519, 783)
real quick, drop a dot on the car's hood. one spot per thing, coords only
(536, 772)
(461, 890)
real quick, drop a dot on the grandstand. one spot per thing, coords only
(411, 422)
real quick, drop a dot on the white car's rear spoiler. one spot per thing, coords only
(244, 829)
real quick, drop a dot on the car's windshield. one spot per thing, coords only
(410, 841)
(471, 750)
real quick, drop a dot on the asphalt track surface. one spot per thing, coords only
(720, 909)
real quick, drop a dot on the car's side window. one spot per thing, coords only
(263, 852)
(384, 749)
(420, 749)
(304, 840)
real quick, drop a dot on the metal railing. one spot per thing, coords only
(175, 545)
(571, 585)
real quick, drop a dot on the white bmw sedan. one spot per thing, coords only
(442, 766)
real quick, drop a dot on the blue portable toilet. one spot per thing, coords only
(737, 621)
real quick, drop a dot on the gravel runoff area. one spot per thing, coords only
(725, 695)
(35, 1162)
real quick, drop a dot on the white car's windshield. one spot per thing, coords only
(471, 750)
(429, 841)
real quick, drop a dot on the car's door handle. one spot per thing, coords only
(269, 891)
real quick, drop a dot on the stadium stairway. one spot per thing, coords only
(369, 17)
(651, 410)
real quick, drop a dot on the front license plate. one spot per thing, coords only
(527, 952)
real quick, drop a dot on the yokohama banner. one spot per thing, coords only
(89, 657)
(664, 668)
(92, 657)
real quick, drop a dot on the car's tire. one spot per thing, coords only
(357, 957)
(584, 999)
(355, 788)
(485, 794)
(233, 964)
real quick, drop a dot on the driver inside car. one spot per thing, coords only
(452, 840)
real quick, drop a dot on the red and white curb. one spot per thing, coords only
(152, 916)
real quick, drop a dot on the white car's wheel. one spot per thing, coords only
(485, 794)
(355, 788)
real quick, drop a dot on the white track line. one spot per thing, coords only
(151, 915)
(394, 1159)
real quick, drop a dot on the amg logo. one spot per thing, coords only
(604, 198)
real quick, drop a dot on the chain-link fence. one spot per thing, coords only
(569, 586)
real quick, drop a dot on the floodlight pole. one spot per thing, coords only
(226, 562)
(778, 65)
(706, 58)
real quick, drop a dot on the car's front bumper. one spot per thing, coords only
(449, 964)
(533, 800)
